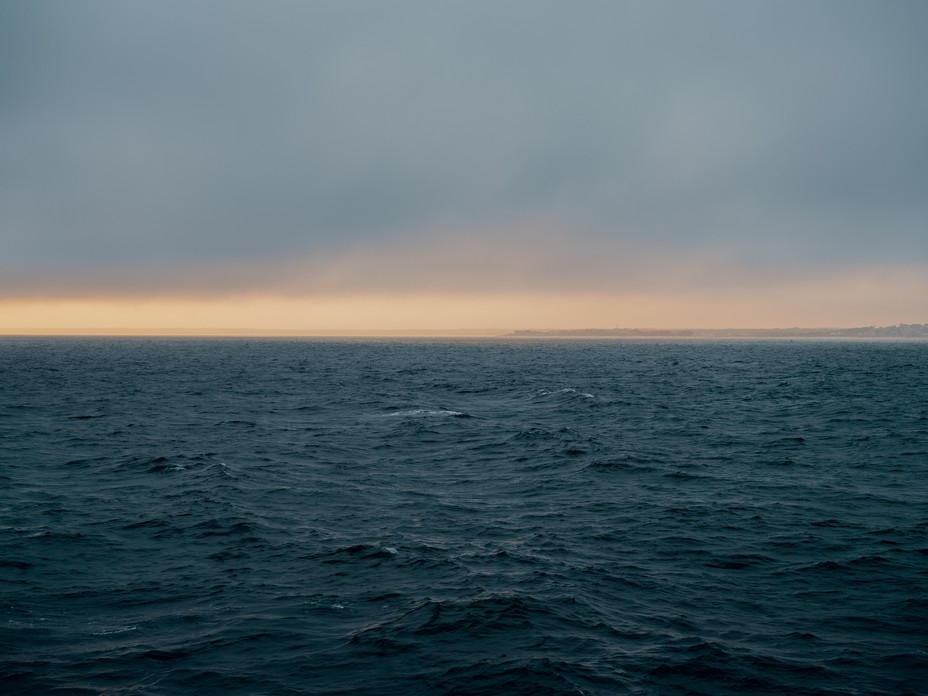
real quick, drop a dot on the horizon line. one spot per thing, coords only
(902, 330)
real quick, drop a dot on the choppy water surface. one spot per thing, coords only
(463, 517)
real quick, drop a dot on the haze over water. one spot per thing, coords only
(186, 516)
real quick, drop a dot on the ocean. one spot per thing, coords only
(322, 516)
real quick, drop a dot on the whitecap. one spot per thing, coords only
(114, 631)
(425, 412)
(571, 390)
(565, 390)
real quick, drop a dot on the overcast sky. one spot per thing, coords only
(167, 147)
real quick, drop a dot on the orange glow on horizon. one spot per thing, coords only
(853, 300)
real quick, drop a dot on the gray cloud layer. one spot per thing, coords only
(172, 133)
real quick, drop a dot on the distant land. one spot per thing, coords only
(897, 331)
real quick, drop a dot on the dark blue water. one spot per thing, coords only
(463, 517)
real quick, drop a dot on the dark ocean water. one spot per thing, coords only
(463, 517)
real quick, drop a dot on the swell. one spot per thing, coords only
(462, 517)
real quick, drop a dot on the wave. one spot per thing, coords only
(427, 412)
(284, 516)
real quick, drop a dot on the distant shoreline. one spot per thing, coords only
(897, 331)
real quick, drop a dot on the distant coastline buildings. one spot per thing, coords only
(897, 331)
